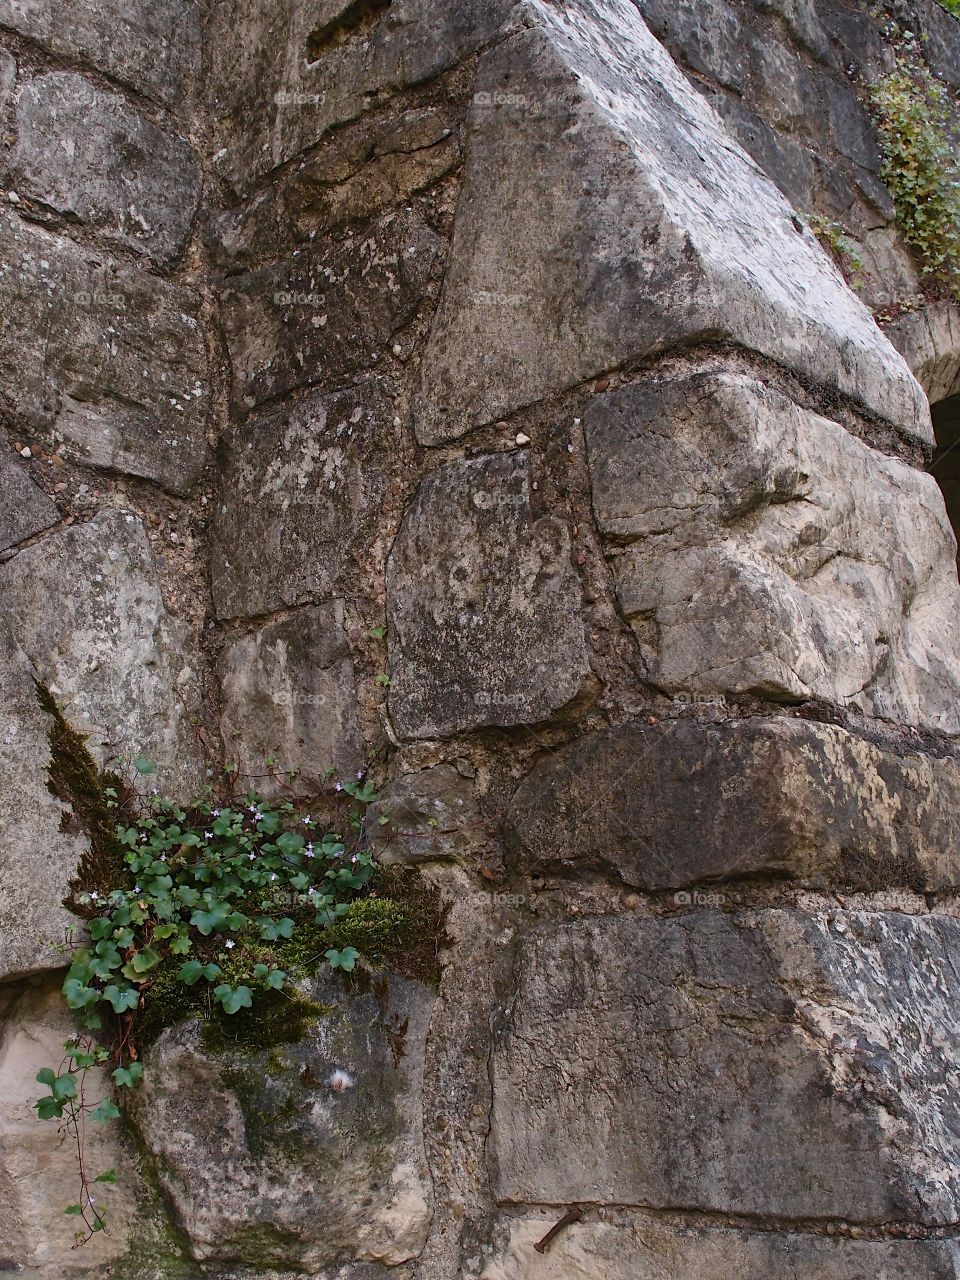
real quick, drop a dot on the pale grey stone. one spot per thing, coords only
(151, 45)
(294, 1167)
(289, 698)
(929, 340)
(298, 497)
(682, 802)
(640, 1248)
(116, 174)
(326, 311)
(423, 816)
(604, 200)
(761, 548)
(24, 508)
(764, 1062)
(483, 604)
(37, 857)
(300, 69)
(110, 358)
(85, 605)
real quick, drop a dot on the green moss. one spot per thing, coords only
(156, 1248)
(76, 781)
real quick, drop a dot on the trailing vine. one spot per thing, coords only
(213, 898)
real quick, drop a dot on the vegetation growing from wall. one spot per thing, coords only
(211, 911)
(951, 6)
(918, 138)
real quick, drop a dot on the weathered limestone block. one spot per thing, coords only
(666, 805)
(929, 340)
(38, 1171)
(24, 508)
(601, 189)
(364, 170)
(37, 859)
(326, 311)
(301, 1156)
(427, 815)
(483, 604)
(85, 605)
(151, 45)
(119, 175)
(761, 548)
(111, 358)
(297, 499)
(642, 1249)
(289, 696)
(297, 69)
(767, 1062)
(8, 77)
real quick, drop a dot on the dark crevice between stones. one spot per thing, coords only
(945, 467)
(356, 21)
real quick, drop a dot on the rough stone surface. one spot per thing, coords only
(289, 696)
(113, 362)
(295, 75)
(761, 548)
(37, 859)
(929, 341)
(642, 1249)
(324, 313)
(289, 1166)
(85, 605)
(24, 509)
(689, 240)
(120, 175)
(36, 1183)
(769, 1062)
(426, 815)
(298, 497)
(483, 604)
(678, 802)
(151, 45)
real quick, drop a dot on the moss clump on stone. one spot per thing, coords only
(76, 781)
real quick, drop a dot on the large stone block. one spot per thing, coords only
(38, 1169)
(769, 1063)
(289, 697)
(637, 1248)
(425, 816)
(761, 548)
(110, 358)
(24, 508)
(151, 45)
(327, 311)
(483, 604)
(298, 497)
(285, 72)
(604, 200)
(119, 175)
(37, 858)
(667, 805)
(304, 1156)
(86, 607)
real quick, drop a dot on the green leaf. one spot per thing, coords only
(46, 1075)
(377, 633)
(144, 961)
(233, 998)
(274, 978)
(78, 995)
(271, 930)
(181, 945)
(105, 1110)
(207, 921)
(73, 1210)
(49, 1108)
(109, 1176)
(144, 766)
(121, 998)
(345, 959)
(64, 1087)
(128, 1077)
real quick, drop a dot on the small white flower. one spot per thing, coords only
(340, 1080)
(208, 835)
(273, 875)
(338, 787)
(309, 851)
(136, 888)
(94, 897)
(215, 812)
(251, 856)
(308, 820)
(229, 944)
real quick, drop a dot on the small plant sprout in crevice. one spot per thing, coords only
(839, 244)
(233, 904)
(918, 138)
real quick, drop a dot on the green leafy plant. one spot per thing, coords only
(951, 6)
(841, 246)
(918, 139)
(211, 894)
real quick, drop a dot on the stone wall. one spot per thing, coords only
(487, 348)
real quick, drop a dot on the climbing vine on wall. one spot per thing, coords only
(918, 138)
